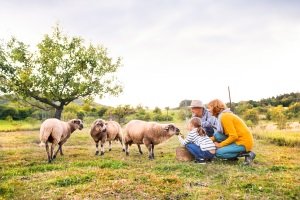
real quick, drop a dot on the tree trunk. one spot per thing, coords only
(58, 112)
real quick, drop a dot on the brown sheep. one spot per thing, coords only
(148, 133)
(106, 131)
(57, 132)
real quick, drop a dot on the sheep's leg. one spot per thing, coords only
(121, 141)
(97, 149)
(109, 148)
(102, 148)
(123, 148)
(126, 149)
(54, 156)
(52, 149)
(60, 150)
(150, 149)
(48, 153)
(140, 150)
(104, 138)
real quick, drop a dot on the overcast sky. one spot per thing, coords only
(177, 49)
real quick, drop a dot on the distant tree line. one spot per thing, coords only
(251, 111)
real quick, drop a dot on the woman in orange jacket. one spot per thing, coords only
(235, 138)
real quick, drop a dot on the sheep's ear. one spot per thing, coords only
(76, 121)
(166, 128)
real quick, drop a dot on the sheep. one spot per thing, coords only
(56, 132)
(148, 133)
(106, 131)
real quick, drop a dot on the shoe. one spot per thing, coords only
(209, 160)
(233, 159)
(200, 161)
(249, 158)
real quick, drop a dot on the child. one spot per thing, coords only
(197, 142)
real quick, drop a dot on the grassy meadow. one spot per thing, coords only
(79, 174)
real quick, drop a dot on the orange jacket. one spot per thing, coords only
(236, 130)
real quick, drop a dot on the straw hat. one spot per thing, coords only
(196, 104)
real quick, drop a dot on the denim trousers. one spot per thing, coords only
(196, 151)
(230, 151)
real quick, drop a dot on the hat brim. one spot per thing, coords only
(196, 106)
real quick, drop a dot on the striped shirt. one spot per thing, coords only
(204, 142)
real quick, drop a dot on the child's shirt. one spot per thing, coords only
(204, 142)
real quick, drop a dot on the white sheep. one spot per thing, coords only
(106, 131)
(148, 133)
(57, 132)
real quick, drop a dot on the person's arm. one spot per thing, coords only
(230, 131)
(206, 120)
(218, 126)
(187, 140)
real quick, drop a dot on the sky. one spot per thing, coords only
(173, 50)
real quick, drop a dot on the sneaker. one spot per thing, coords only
(200, 161)
(249, 158)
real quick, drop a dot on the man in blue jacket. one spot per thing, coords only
(209, 122)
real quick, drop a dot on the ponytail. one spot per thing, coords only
(196, 122)
(201, 131)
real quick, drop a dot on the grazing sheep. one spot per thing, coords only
(57, 132)
(148, 133)
(106, 131)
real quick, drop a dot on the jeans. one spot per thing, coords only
(230, 151)
(196, 151)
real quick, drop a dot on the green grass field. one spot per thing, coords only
(19, 125)
(25, 173)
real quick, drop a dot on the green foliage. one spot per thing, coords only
(251, 115)
(293, 110)
(277, 115)
(162, 117)
(157, 110)
(183, 114)
(80, 115)
(120, 112)
(68, 116)
(15, 113)
(62, 70)
(185, 103)
(242, 107)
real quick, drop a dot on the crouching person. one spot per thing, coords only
(236, 139)
(197, 142)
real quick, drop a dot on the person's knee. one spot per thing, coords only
(219, 137)
(220, 153)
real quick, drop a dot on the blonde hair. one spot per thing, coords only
(216, 106)
(196, 122)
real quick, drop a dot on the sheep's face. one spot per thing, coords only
(100, 126)
(171, 129)
(78, 124)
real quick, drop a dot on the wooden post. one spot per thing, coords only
(229, 98)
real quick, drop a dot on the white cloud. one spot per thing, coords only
(181, 49)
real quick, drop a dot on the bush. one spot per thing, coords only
(80, 115)
(252, 116)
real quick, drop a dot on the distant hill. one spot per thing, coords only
(285, 100)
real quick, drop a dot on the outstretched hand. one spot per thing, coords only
(217, 144)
